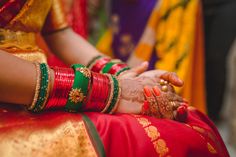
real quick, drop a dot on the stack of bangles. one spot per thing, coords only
(75, 89)
(101, 64)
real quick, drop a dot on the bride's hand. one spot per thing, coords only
(162, 99)
(132, 97)
(139, 71)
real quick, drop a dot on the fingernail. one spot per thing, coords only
(147, 92)
(181, 81)
(181, 113)
(145, 105)
(156, 91)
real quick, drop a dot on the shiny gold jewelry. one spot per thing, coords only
(37, 86)
(162, 82)
(164, 88)
(85, 71)
(118, 99)
(76, 95)
(110, 95)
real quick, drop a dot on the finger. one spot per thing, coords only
(172, 78)
(175, 105)
(177, 98)
(137, 70)
(152, 102)
(181, 113)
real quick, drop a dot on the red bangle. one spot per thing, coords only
(64, 79)
(117, 67)
(98, 94)
(97, 67)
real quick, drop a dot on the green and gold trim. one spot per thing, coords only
(79, 90)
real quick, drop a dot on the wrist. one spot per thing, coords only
(75, 89)
(102, 64)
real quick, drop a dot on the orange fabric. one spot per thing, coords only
(194, 90)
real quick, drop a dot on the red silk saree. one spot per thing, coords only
(57, 133)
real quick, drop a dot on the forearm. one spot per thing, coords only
(17, 80)
(39, 87)
(70, 47)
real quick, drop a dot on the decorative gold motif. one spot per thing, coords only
(152, 132)
(211, 148)
(203, 132)
(198, 129)
(76, 95)
(161, 147)
(85, 71)
(33, 57)
(143, 121)
(67, 139)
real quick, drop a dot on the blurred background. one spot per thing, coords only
(194, 38)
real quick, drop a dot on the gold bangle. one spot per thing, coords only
(110, 95)
(118, 99)
(37, 86)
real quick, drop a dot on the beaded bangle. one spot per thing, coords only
(104, 65)
(109, 99)
(114, 96)
(122, 70)
(99, 64)
(91, 63)
(37, 86)
(80, 88)
(43, 90)
(109, 65)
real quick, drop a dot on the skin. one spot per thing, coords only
(18, 77)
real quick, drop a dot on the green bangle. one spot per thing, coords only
(115, 95)
(109, 65)
(79, 89)
(43, 90)
(122, 70)
(89, 65)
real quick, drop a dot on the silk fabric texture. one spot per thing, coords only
(57, 133)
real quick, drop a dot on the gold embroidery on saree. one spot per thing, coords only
(211, 148)
(152, 132)
(68, 139)
(201, 132)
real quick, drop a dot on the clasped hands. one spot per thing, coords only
(151, 93)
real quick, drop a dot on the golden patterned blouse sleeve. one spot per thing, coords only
(56, 19)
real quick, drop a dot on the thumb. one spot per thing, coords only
(138, 70)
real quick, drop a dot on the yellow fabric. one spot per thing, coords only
(31, 17)
(107, 39)
(19, 36)
(178, 42)
(175, 29)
